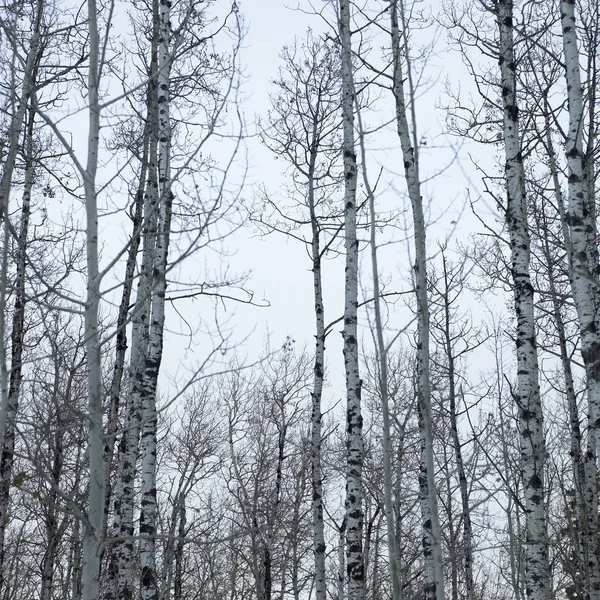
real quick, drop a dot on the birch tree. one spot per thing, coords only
(582, 252)
(381, 355)
(447, 289)
(11, 383)
(17, 337)
(432, 548)
(527, 397)
(304, 123)
(92, 535)
(121, 574)
(354, 420)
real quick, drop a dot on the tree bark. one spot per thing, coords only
(317, 391)
(92, 536)
(381, 354)
(341, 587)
(354, 421)
(527, 397)
(10, 383)
(123, 314)
(581, 221)
(581, 537)
(432, 546)
(17, 340)
(121, 573)
(467, 542)
(178, 584)
(148, 508)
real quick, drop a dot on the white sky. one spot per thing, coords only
(280, 268)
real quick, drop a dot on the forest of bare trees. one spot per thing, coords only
(426, 425)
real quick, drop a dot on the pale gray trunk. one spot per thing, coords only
(121, 575)
(14, 140)
(92, 535)
(317, 391)
(581, 537)
(54, 530)
(527, 397)
(148, 507)
(17, 339)
(121, 563)
(432, 547)
(269, 536)
(584, 283)
(168, 556)
(467, 542)
(123, 318)
(10, 385)
(354, 441)
(76, 577)
(513, 523)
(381, 353)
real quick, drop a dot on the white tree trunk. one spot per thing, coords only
(14, 140)
(116, 387)
(354, 442)
(121, 573)
(121, 566)
(467, 542)
(533, 448)
(581, 537)
(317, 393)
(17, 339)
(148, 510)
(432, 547)
(92, 536)
(584, 284)
(381, 353)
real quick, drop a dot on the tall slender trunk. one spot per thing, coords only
(148, 508)
(354, 441)
(10, 383)
(123, 317)
(527, 397)
(121, 562)
(14, 141)
(584, 279)
(467, 542)
(317, 391)
(76, 577)
(432, 546)
(269, 537)
(582, 539)
(54, 531)
(178, 582)
(92, 536)
(382, 379)
(16, 341)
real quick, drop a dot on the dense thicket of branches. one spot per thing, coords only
(148, 450)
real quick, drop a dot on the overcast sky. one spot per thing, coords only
(280, 268)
